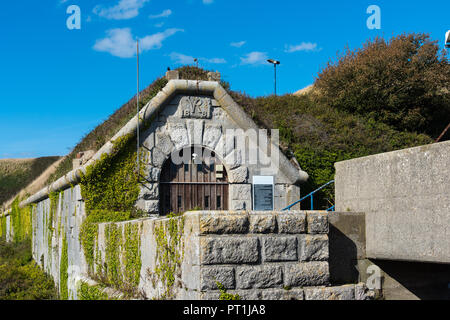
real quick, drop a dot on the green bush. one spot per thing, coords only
(403, 82)
(20, 277)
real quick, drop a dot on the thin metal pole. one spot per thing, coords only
(275, 66)
(443, 133)
(137, 111)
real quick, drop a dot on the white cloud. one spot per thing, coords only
(304, 46)
(159, 25)
(125, 9)
(255, 58)
(208, 1)
(164, 14)
(238, 44)
(180, 58)
(121, 43)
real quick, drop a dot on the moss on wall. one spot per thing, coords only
(169, 253)
(3, 227)
(63, 271)
(87, 292)
(21, 221)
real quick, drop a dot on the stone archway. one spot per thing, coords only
(198, 183)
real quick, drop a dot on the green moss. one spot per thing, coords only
(21, 221)
(112, 255)
(3, 227)
(89, 231)
(224, 295)
(169, 253)
(63, 268)
(132, 255)
(113, 183)
(87, 292)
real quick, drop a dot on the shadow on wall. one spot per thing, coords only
(414, 280)
(343, 258)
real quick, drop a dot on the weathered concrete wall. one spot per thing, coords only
(406, 197)
(51, 224)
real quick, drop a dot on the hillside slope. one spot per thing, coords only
(16, 174)
(318, 135)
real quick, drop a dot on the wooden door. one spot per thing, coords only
(197, 185)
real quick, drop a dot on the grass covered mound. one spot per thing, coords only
(314, 128)
(16, 174)
(20, 277)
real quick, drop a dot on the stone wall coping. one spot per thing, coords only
(390, 154)
(146, 114)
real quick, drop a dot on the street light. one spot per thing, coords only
(275, 63)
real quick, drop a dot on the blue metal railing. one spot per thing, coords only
(311, 195)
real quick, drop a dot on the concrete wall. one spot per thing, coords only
(49, 230)
(406, 197)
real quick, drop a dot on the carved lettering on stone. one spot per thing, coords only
(196, 107)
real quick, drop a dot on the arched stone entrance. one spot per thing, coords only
(200, 182)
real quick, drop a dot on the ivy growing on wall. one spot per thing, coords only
(110, 189)
(63, 268)
(2, 227)
(169, 253)
(21, 221)
(87, 292)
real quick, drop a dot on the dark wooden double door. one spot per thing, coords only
(195, 185)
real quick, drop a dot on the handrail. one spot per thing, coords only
(311, 194)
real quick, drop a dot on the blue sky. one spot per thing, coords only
(57, 84)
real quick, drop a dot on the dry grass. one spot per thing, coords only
(16, 174)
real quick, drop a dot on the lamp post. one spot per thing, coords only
(275, 63)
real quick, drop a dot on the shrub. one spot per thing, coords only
(403, 82)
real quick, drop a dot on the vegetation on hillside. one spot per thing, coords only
(16, 174)
(20, 277)
(385, 96)
(403, 82)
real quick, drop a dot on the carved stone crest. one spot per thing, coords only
(196, 107)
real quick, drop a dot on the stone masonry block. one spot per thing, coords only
(223, 250)
(292, 222)
(317, 222)
(238, 205)
(151, 206)
(164, 143)
(212, 134)
(158, 157)
(282, 294)
(262, 223)
(306, 274)
(346, 292)
(279, 248)
(265, 276)
(239, 175)
(241, 191)
(223, 224)
(149, 191)
(313, 247)
(211, 275)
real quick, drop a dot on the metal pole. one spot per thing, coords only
(137, 111)
(275, 67)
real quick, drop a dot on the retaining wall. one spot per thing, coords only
(405, 195)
